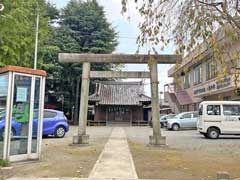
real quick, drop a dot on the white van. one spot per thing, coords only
(219, 117)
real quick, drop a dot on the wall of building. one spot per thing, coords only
(207, 89)
(137, 113)
(100, 113)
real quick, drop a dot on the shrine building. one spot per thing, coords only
(118, 103)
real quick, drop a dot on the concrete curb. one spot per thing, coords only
(5, 173)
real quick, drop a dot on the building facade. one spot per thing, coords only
(203, 77)
(119, 103)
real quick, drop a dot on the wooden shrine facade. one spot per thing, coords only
(119, 103)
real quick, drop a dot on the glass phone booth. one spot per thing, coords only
(21, 112)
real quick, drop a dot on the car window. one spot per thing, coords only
(200, 111)
(213, 110)
(195, 114)
(49, 114)
(188, 115)
(231, 110)
(2, 114)
(171, 116)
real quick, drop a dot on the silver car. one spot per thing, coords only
(164, 119)
(183, 120)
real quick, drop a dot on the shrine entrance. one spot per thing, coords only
(119, 115)
(151, 60)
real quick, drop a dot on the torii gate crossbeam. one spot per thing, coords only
(152, 60)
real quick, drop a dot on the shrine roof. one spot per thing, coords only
(119, 93)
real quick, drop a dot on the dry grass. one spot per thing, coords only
(62, 160)
(172, 164)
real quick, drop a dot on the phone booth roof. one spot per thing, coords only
(23, 70)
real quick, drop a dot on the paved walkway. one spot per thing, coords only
(115, 160)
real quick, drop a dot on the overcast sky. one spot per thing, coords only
(128, 32)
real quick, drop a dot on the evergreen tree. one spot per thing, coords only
(83, 29)
(89, 26)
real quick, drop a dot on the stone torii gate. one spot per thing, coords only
(152, 60)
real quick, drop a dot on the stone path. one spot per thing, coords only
(115, 160)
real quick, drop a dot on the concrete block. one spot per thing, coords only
(6, 172)
(157, 140)
(81, 139)
(223, 175)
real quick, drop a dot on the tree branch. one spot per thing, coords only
(237, 6)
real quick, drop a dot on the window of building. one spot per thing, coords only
(227, 98)
(211, 69)
(213, 110)
(198, 74)
(186, 81)
(231, 110)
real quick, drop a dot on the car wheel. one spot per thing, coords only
(44, 136)
(161, 124)
(205, 135)
(213, 133)
(60, 132)
(175, 127)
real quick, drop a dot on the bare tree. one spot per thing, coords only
(185, 22)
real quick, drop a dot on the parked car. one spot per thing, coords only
(54, 123)
(219, 117)
(183, 120)
(164, 119)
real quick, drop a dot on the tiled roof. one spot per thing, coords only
(119, 93)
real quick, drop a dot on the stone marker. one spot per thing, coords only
(223, 175)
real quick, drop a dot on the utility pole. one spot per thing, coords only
(36, 39)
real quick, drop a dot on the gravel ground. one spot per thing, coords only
(60, 159)
(188, 156)
(190, 140)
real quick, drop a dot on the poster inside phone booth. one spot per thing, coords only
(21, 112)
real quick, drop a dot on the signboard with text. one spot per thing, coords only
(212, 86)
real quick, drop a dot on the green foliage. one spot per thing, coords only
(89, 26)
(17, 32)
(4, 163)
(83, 29)
(51, 11)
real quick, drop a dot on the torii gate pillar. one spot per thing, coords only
(82, 137)
(156, 138)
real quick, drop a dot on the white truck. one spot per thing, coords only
(219, 117)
